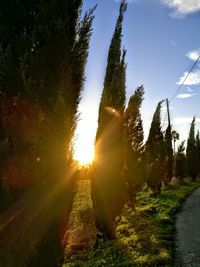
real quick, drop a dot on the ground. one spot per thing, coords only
(145, 237)
(188, 232)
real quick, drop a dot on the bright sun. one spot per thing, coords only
(84, 154)
(85, 135)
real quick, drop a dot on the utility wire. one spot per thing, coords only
(181, 86)
(185, 78)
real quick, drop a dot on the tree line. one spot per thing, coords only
(124, 163)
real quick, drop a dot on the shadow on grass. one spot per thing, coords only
(105, 253)
(31, 231)
(48, 252)
(145, 237)
(137, 244)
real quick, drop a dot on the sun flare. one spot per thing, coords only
(84, 155)
(84, 139)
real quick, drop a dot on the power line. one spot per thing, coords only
(181, 86)
(185, 78)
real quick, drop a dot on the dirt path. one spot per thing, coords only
(188, 232)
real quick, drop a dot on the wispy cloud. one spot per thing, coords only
(193, 55)
(182, 8)
(193, 78)
(183, 96)
(164, 108)
(189, 90)
(184, 120)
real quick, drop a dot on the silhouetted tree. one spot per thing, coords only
(180, 162)
(108, 181)
(155, 152)
(198, 152)
(169, 155)
(191, 152)
(133, 138)
(43, 52)
(44, 48)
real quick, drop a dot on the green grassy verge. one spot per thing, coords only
(144, 237)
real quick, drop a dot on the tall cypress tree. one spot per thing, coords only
(198, 152)
(108, 182)
(169, 155)
(191, 152)
(43, 52)
(114, 83)
(180, 162)
(133, 138)
(44, 48)
(155, 152)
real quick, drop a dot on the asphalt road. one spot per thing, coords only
(188, 232)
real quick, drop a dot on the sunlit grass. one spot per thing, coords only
(144, 236)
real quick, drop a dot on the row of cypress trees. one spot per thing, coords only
(187, 159)
(123, 162)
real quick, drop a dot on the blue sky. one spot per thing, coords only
(162, 41)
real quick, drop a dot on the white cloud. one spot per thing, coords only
(182, 7)
(184, 120)
(183, 96)
(193, 55)
(192, 79)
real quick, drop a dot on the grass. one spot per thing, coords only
(144, 236)
(81, 231)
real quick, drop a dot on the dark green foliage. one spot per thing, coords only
(191, 157)
(198, 152)
(133, 139)
(108, 183)
(5, 193)
(169, 155)
(180, 167)
(114, 83)
(155, 153)
(43, 52)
